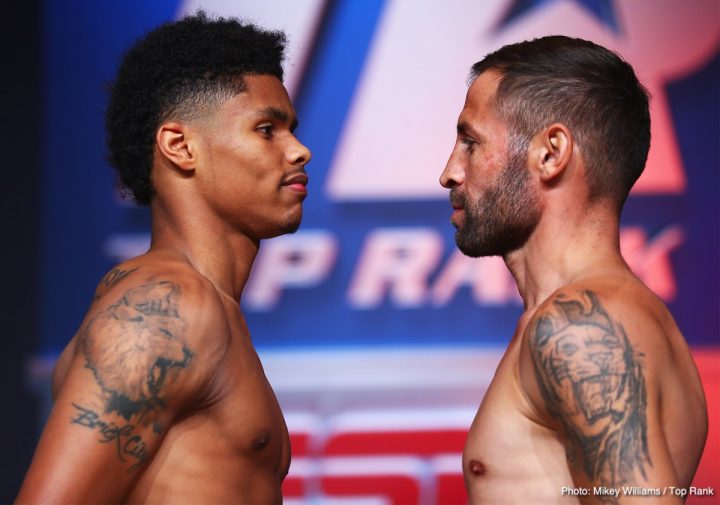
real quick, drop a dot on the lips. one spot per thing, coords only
(457, 201)
(297, 182)
(458, 204)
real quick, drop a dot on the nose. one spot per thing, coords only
(298, 153)
(454, 174)
(601, 359)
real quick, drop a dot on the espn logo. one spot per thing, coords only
(386, 457)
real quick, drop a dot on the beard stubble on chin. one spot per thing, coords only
(290, 224)
(287, 227)
(502, 220)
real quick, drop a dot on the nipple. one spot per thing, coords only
(476, 467)
(261, 440)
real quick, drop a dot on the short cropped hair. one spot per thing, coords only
(177, 71)
(591, 90)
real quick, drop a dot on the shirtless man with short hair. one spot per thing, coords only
(160, 396)
(597, 391)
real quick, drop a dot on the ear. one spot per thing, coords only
(552, 150)
(174, 140)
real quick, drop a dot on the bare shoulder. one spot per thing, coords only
(158, 274)
(616, 318)
(147, 351)
(166, 288)
(592, 383)
(604, 354)
(149, 321)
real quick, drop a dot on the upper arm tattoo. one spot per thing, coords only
(134, 348)
(592, 381)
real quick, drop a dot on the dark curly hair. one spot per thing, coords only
(585, 86)
(176, 71)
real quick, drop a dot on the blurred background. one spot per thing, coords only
(377, 335)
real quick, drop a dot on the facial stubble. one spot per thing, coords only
(504, 217)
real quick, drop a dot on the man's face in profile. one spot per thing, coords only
(496, 207)
(253, 167)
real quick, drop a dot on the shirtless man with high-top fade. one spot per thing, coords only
(597, 399)
(160, 396)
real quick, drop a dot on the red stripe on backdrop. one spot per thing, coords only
(420, 442)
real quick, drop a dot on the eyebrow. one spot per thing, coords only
(279, 115)
(465, 129)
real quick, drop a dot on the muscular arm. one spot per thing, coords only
(593, 383)
(133, 370)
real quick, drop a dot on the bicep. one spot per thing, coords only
(127, 380)
(593, 382)
(86, 454)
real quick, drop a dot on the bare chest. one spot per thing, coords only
(507, 445)
(248, 412)
(233, 447)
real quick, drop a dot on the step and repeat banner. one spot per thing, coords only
(377, 334)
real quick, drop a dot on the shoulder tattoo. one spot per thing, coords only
(113, 277)
(592, 381)
(135, 347)
(116, 275)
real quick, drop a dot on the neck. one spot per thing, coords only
(222, 255)
(564, 250)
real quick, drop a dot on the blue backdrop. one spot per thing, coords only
(82, 218)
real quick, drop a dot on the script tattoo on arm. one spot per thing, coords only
(125, 441)
(592, 381)
(135, 348)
